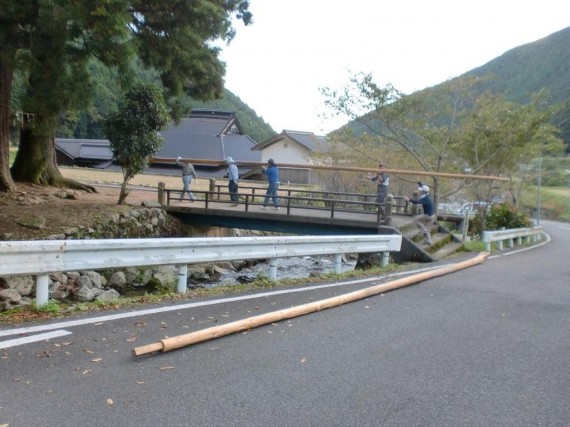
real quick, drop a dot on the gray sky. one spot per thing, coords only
(294, 47)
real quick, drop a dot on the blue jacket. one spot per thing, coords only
(426, 203)
(272, 173)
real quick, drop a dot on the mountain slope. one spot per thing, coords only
(523, 70)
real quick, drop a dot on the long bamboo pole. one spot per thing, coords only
(208, 162)
(179, 341)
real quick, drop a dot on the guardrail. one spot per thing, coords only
(42, 257)
(510, 235)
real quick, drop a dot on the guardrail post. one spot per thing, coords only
(273, 269)
(487, 239)
(42, 289)
(385, 259)
(337, 264)
(500, 241)
(510, 243)
(182, 285)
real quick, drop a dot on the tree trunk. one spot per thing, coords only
(6, 75)
(124, 191)
(35, 161)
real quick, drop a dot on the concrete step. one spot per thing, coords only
(447, 250)
(443, 244)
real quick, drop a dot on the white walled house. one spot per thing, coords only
(293, 147)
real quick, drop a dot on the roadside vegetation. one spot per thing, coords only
(54, 309)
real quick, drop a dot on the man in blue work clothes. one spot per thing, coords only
(272, 172)
(425, 220)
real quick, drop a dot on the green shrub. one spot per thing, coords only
(499, 216)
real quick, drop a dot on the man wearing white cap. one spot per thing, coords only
(233, 175)
(424, 221)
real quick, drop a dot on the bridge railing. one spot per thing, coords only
(532, 234)
(42, 257)
(301, 199)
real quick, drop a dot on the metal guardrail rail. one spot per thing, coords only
(42, 257)
(510, 235)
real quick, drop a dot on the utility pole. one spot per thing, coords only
(538, 179)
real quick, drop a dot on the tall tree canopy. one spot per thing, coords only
(53, 41)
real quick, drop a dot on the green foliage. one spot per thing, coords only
(544, 64)
(252, 125)
(52, 42)
(499, 216)
(51, 306)
(133, 130)
(555, 202)
(474, 246)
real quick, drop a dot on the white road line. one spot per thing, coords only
(107, 318)
(33, 338)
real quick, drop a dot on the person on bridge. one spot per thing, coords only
(425, 220)
(233, 175)
(383, 180)
(272, 172)
(188, 173)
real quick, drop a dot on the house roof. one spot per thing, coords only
(205, 134)
(92, 149)
(208, 134)
(307, 139)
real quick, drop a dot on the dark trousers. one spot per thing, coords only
(233, 189)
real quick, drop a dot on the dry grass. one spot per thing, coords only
(88, 175)
(143, 180)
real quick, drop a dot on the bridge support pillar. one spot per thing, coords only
(273, 269)
(182, 285)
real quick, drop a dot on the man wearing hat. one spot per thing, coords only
(233, 175)
(272, 172)
(383, 180)
(424, 221)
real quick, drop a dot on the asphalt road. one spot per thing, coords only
(486, 346)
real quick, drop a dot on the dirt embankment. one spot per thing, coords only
(33, 212)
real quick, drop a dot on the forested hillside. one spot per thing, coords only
(253, 125)
(106, 90)
(524, 70)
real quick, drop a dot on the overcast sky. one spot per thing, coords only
(294, 47)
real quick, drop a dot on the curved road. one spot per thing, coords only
(489, 345)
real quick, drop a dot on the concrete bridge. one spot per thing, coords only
(312, 213)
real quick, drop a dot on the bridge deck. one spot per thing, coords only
(294, 219)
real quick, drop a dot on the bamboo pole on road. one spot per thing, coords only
(334, 168)
(173, 343)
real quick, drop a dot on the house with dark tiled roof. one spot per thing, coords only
(293, 147)
(83, 152)
(204, 134)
